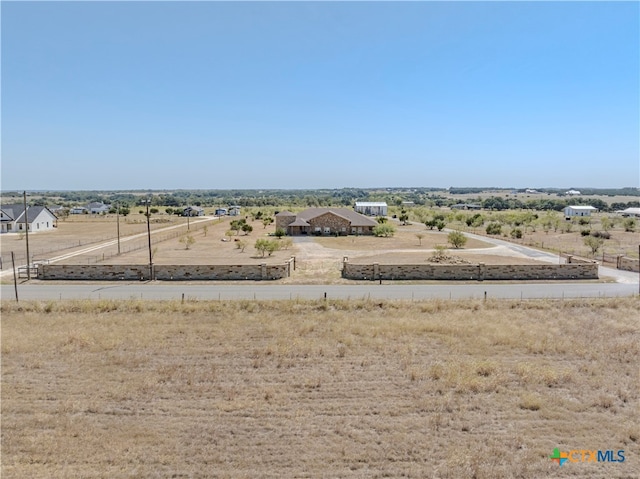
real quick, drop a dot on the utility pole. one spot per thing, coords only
(26, 227)
(148, 200)
(118, 223)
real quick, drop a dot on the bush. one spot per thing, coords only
(601, 234)
(280, 232)
(385, 230)
(516, 233)
(629, 225)
(457, 239)
(585, 232)
(584, 221)
(494, 229)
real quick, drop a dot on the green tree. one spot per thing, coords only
(247, 228)
(516, 233)
(457, 239)
(241, 245)
(403, 216)
(280, 232)
(385, 230)
(593, 243)
(266, 221)
(419, 236)
(262, 244)
(381, 219)
(494, 229)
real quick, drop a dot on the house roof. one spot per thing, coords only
(356, 219)
(16, 212)
(285, 213)
(299, 222)
(371, 203)
(582, 207)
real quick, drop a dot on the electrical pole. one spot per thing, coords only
(149, 236)
(26, 227)
(118, 223)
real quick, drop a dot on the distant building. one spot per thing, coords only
(466, 206)
(578, 210)
(221, 212)
(572, 193)
(193, 211)
(96, 208)
(630, 212)
(78, 210)
(234, 210)
(371, 208)
(408, 204)
(325, 221)
(38, 218)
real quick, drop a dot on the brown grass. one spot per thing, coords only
(317, 389)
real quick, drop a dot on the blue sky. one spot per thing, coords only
(134, 95)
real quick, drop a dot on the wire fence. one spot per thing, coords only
(127, 245)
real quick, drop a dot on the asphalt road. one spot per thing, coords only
(262, 291)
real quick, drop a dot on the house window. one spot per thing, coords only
(9, 227)
(318, 228)
(20, 227)
(327, 230)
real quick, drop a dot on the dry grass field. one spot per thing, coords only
(331, 389)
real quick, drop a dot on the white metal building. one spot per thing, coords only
(578, 210)
(371, 208)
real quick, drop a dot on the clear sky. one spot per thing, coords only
(136, 95)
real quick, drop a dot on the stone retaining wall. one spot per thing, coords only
(97, 272)
(476, 272)
(628, 264)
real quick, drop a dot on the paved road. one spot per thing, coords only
(626, 285)
(262, 291)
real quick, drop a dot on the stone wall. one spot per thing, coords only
(628, 264)
(336, 223)
(96, 272)
(476, 272)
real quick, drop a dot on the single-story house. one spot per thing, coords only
(629, 212)
(234, 210)
(325, 221)
(572, 192)
(78, 210)
(466, 206)
(96, 208)
(578, 210)
(371, 208)
(193, 211)
(38, 218)
(221, 212)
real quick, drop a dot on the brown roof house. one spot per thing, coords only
(325, 221)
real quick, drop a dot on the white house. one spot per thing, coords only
(38, 218)
(371, 208)
(578, 210)
(572, 193)
(98, 208)
(234, 210)
(78, 210)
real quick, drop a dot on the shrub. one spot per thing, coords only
(629, 225)
(457, 239)
(385, 230)
(280, 232)
(601, 234)
(516, 233)
(585, 232)
(494, 229)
